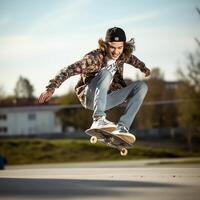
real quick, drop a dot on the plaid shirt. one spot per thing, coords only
(88, 67)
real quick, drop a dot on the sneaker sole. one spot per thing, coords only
(127, 138)
(109, 128)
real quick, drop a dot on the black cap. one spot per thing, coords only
(115, 34)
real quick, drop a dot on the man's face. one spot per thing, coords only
(115, 49)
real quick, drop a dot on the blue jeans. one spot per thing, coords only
(98, 99)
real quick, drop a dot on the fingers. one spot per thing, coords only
(41, 98)
(48, 98)
(44, 97)
(147, 73)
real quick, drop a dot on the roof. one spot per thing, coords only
(36, 107)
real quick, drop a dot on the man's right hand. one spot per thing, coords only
(45, 96)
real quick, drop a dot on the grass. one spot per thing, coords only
(29, 151)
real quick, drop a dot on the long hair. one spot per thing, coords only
(129, 47)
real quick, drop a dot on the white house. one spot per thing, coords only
(24, 120)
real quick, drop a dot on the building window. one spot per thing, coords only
(3, 117)
(3, 129)
(31, 116)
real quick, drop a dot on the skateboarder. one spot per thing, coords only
(101, 85)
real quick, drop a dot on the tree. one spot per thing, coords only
(197, 40)
(23, 88)
(152, 116)
(189, 111)
(157, 115)
(2, 93)
(79, 118)
(69, 98)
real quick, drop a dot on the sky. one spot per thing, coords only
(40, 37)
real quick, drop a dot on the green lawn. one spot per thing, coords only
(26, 151)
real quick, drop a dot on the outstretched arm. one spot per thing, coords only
(74, 69)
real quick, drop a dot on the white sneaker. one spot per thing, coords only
(103, 123)
(123, 132)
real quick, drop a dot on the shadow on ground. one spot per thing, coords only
(65, 188)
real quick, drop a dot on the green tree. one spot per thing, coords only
(80, 118)
(69, 98)
(23, 89)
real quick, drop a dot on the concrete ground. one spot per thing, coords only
(102, 180)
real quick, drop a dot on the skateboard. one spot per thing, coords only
(106, 137)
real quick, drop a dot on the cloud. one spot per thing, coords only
(60, 17)
(28, 47)
(123, 21)
(136, 18)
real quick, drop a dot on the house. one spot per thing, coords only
(26, 120)
(173, 85)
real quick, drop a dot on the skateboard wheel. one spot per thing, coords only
(124, 152)
(93, 140)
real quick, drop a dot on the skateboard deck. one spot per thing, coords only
(106, 137)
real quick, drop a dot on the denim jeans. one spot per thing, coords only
(98, 99)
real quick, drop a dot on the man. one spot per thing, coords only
(101, 85)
